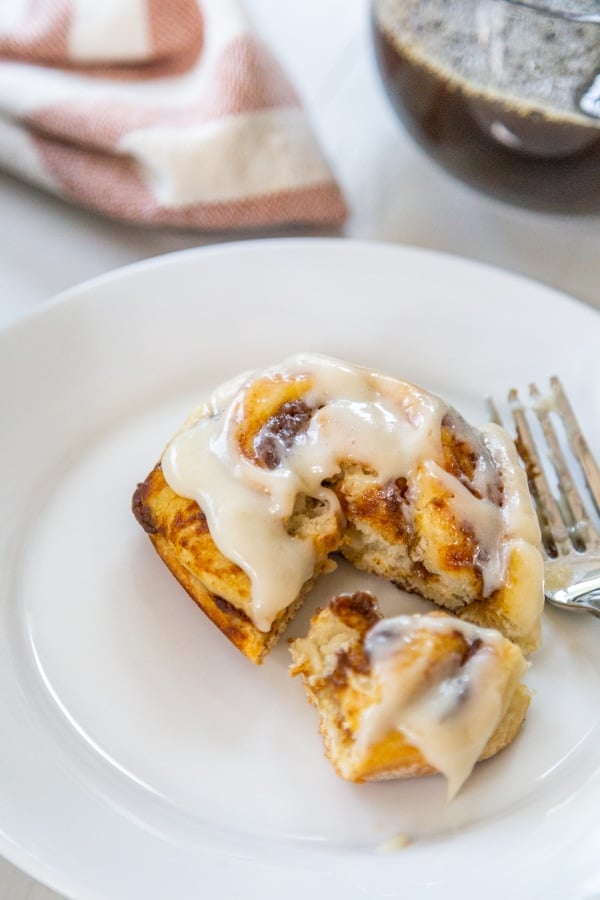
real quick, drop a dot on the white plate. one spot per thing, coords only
(141, 755)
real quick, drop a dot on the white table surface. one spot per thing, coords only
(396, 194)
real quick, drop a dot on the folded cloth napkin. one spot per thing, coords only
(169, 112)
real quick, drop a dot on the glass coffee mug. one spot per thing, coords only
(504, 93)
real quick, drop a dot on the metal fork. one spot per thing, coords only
(571, 541)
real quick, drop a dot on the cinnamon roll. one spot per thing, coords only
(284, 467)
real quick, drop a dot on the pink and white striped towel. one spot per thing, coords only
(167, 112)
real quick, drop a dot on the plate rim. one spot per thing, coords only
(69, 294)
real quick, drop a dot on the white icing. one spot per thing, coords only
(449, 716)
(482, 518)
(357, 416)
(520, 520)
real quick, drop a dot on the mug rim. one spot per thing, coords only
(558, 12)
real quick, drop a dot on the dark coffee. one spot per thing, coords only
(502, 96)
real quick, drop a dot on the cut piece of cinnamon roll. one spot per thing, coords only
(283, 467)
(410, 695)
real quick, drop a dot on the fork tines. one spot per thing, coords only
(564, 519)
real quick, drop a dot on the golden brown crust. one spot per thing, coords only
(182, 526)
(396, 758)
(179, 533)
